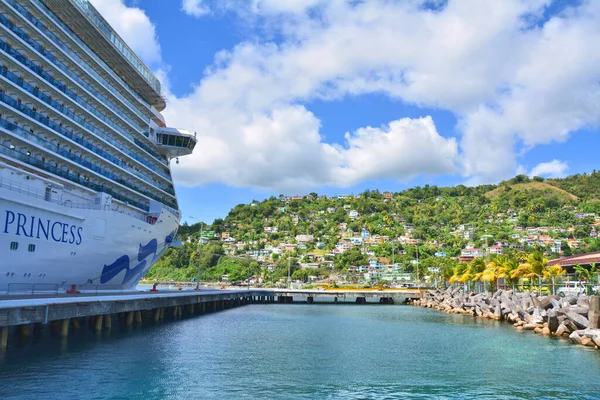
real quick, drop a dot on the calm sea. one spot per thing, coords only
(278, 351)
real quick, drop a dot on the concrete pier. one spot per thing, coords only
(21, 314)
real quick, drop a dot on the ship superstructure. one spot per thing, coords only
(86, 194)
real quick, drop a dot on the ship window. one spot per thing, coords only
(14, 245)
(31, 248)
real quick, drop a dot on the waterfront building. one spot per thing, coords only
(86, 194)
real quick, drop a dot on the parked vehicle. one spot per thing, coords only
(572, 288)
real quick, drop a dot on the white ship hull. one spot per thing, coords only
(91, 249)
(87, 201)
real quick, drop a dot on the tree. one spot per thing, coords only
(554, 272)
(301, 275)
(566, 250)
(589, 275)
(534, 267)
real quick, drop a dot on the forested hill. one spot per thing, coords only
(314, 228)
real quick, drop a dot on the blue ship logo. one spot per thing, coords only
(123, 263)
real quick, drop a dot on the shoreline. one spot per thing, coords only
(569, 317)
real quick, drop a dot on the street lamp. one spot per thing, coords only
(249, 272)
(199, 251)
(417, 249)
(289, 280)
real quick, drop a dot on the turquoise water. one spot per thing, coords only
(278, 351)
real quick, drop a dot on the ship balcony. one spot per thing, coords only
(175, 142)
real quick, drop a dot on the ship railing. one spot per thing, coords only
(99, 289)
(47, 289)
(96, 167)
(72, 136)
(84, 206)
(24, 189)
(41, 194)
(68, 174)
(15, 289)
(141, 217)
(61, 66)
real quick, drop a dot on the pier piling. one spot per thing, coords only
(3, 337)
(64, 328)
(98, 323)
(108, 321)
(129, 318)
(24, 331)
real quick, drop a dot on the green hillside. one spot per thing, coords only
(439, 219)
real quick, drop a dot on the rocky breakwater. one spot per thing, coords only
(573, 317)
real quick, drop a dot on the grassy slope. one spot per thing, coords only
(533, 186)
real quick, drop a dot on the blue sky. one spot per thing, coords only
(291, 96)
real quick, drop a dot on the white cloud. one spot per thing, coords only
(134, 26)
(283, 150)
(401, 150)
(195, 8)
(284, 6)
(512, 80)
(552, 169)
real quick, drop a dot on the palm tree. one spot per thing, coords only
(589, 275)
(510, 265)
(494, 270)
(553, 272)
(474, 271)
(534, 267)
(458, 271)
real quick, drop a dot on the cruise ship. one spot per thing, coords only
(87, 201)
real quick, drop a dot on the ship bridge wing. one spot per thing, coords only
(175, 142)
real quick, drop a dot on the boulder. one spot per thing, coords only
(560, 330)
(546, 331)
(553, 322)
(583, 301)
(571, 327)
(575, 338)
(572, 300)
(498, 313)
(546, 302)
(579, 320)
